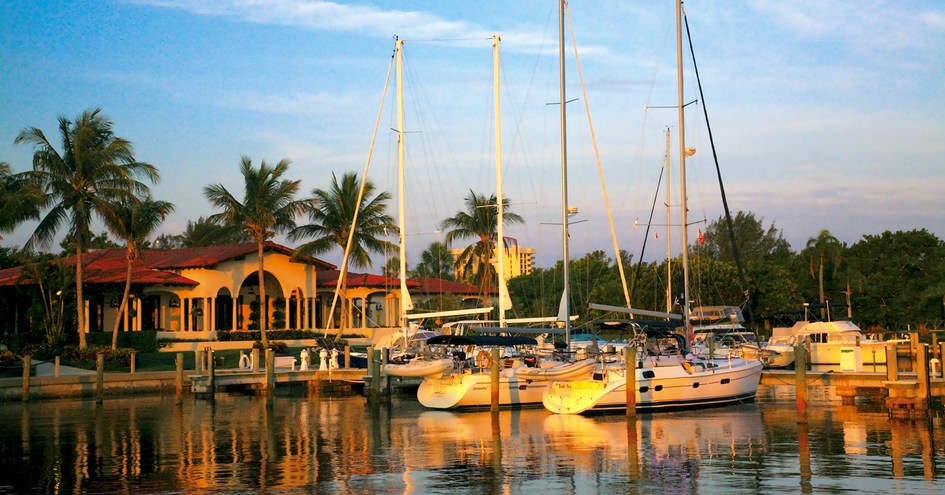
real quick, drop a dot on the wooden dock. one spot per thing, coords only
(323, 380)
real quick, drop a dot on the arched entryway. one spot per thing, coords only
(223, 313)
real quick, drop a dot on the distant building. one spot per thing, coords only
(518, 260)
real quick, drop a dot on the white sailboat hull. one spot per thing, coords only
(661, 387)
(475, 390)
(420, 368)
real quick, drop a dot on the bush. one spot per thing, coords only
(117, 360)
(10, 364)
(143, 341)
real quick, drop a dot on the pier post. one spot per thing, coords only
(892, 362)
(800, 375)
(941, 346)
(347, 356)
(631, 381)
(99, 378)
(913, 348)
(179, 380)
(922, 371)
(133, 355)
(934, 345)
(27, 367)
(211, 370)
(255, 354)
(198, 363)
(372, 373)
(56, 368)
(385, 358)
(270, 372)
(494, 377)
(376, 383)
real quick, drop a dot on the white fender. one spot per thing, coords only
(245, 361)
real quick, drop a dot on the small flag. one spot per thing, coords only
(700, 237)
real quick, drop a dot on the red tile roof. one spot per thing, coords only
(429, 285)
(329, 278)
(156, 265)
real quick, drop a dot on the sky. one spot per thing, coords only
(825, 114)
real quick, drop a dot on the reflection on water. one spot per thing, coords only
(323, 444)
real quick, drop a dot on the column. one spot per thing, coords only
(233, 310)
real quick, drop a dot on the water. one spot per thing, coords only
(300, 444)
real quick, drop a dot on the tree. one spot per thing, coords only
(20, 199)
(896, 278)
(478, 221)
(754, 241)
(133, 220)
(823, 247)
(435, 261)
(95, 241)
(94, 168)
(391, 267)
(269, 207)
(331, 213)
(51, 278)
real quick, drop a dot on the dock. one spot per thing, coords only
(323, 380)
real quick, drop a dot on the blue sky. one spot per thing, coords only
(826, 114)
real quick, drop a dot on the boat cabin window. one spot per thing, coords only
(818, 338)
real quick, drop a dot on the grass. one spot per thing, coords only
(226, 359)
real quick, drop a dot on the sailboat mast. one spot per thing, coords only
(500, 228)
(669, 223)
(405, 303)
(682, 167)
(566, 296)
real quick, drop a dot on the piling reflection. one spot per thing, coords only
(324, 444)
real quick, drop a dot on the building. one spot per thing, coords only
(193, 293)
(518, 260)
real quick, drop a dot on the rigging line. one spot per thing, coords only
(646, 236)
(343, 270)
(600, 169)
(728, 215)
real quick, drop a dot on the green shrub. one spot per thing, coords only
(143, 341)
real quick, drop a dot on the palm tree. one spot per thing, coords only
(94, 169)
(435, 261)
(824, 246)
(133, 220)
(20, 199)
(269, 207)
(332, 212)
(478, 221)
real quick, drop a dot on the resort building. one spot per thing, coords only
(192, 293)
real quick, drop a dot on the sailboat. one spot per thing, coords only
(524, 374)
(664, 380)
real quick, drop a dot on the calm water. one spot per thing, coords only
(343, 445)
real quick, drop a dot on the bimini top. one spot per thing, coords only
(481, 340)
(518, 330)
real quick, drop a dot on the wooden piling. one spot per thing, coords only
(372, 373)
(631, 381)
(255, 354)
(385, 358)
(198, 368)
(376, 383)
(27, 367)
(892, 362)
(99, 378)
(270, 372)
(800, 375)
(133, 355)
(56, 368)
(179, 380)
(922, 371)
(211, 370)
(494, 378)
(347, 356)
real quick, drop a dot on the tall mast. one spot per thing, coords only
(682, 167)
(566, 295)
(405, 303)
(500, 228)
(669, 223)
